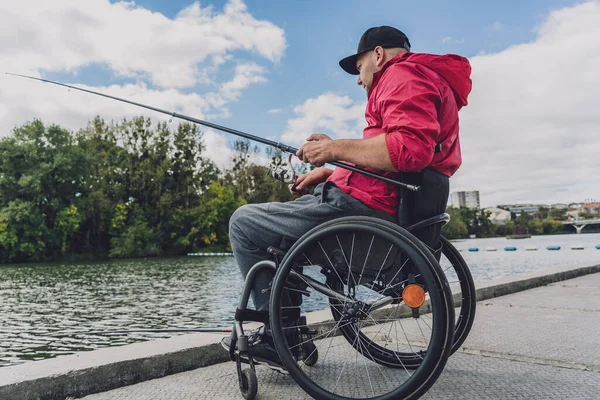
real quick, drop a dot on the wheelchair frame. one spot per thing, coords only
(240, 349)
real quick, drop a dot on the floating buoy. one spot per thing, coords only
(553, 247)
(530, 248)
(491, 249)
(577, 247)
(473, 248)
(510, 248)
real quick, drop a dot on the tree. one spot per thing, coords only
(138, 238)
(42, 169)
(477, 221)
(125, 189)
(542, 213)
(505, 230)
(535, 227)
(252, 182)
(550, 226)
(559, 214)
(456, 228)
(211, 220)
(22, 232)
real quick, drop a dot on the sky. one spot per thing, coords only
(270, 68)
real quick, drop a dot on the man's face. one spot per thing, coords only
(366, 65)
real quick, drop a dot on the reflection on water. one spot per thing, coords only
(49, 310)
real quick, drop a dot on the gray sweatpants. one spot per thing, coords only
(255, 227)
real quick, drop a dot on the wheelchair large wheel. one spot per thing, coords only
(459, 277)
(355, 263)
(464, 295)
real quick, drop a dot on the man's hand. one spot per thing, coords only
(318, 151)
(313, 177)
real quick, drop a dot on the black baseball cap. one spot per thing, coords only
(384, 36)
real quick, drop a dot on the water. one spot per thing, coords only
(40, 304)
(50, 310)
(486, 265)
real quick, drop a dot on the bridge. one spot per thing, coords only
(579, 224)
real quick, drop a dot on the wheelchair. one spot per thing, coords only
(360, 308)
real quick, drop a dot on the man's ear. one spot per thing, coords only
(379, 56)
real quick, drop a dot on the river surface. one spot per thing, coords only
(54, 309)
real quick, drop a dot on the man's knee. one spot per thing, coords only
(238, 219)
(243, 221)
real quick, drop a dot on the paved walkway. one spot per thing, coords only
(542, 343)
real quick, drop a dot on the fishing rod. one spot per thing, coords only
(280, 146)
(124, 332)
(127, 332)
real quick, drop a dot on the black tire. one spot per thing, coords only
(468, 300)
(440, 300)
(249, 385)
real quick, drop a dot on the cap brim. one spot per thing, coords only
(348, 64)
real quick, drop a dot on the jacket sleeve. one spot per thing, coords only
(408, 104)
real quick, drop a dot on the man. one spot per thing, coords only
(411, 133)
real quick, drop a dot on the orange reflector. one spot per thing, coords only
(413, 295)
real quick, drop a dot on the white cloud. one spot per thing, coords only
(332, 114)
(245, 75)
(274, 111)
(496, 26)
(72, 109)
(530, 131)
(67, 35)
(448, 39)
(221, 149)
(217, 144)
(161, 54)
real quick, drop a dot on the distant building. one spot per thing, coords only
(498, 215)
(469, 199)
(573, 214)
(560, 206)
(519, 209)
(592, 208)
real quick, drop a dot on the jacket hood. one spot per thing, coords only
(455, 69)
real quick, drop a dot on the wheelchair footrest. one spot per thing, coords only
(252, 315)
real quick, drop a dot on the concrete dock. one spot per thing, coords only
(539, 343)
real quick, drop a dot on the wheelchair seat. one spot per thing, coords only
(421, 212)
(415, 207)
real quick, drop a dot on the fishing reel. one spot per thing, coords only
(283, 172)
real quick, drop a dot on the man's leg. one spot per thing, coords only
(255, 227)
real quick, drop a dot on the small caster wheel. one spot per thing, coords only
(310, 353)
(249, 384)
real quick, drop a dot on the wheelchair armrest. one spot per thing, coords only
(438, 219)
